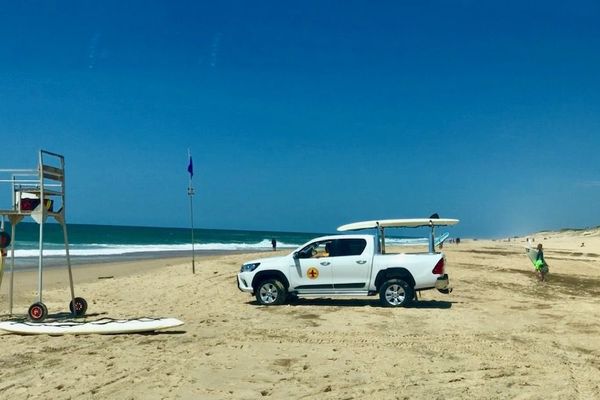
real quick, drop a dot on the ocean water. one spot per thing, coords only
(106, 240)
(102, 243)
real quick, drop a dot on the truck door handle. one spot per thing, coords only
(325, 263)
(361, 262)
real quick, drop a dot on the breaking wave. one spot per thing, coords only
(120, 249)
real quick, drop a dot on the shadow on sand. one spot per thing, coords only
(431, 304)
(419, 304)
(52, 317)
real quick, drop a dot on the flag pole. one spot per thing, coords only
(190, 192)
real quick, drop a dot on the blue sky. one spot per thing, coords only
(303, 116)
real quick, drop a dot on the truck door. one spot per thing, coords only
(351, 264)
(311, 272)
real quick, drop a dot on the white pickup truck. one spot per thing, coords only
(355, 265)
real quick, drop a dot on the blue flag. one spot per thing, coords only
(191, 167)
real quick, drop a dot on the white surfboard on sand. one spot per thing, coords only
(102, 326)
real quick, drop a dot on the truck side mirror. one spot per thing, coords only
(295, 255)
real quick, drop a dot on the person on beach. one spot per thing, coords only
(4, 243)
(327, 251)
(541, 267)
(274, 244)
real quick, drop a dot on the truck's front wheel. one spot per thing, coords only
(270, 292)
(395, 293)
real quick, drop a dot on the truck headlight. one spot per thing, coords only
(249, 267)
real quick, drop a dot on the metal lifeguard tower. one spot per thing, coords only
(37, 193)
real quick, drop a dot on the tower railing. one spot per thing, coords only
(38, 193)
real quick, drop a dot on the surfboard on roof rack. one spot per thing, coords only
(398, 223)
(431, 222)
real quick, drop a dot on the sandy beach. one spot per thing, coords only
(500, 335)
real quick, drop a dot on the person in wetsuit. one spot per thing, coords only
(541, 267)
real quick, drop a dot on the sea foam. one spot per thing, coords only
(120, 249)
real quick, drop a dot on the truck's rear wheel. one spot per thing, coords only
(271, 292)
(396, 293)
